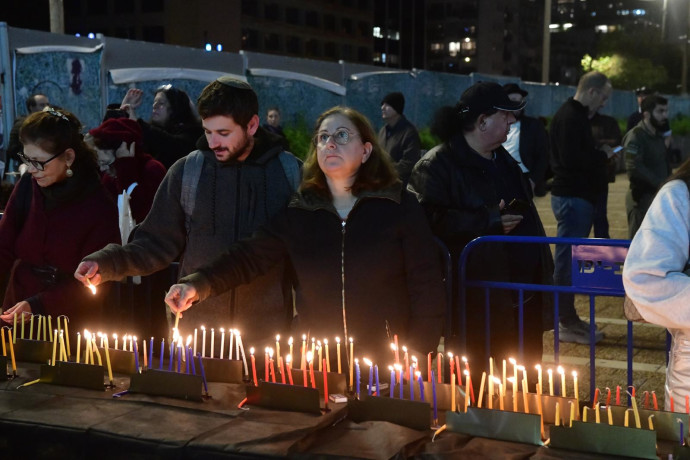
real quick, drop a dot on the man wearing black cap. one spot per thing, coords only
(237, 181)
(399, 137)
(528, 142)
(636, 116)
(580, 176)
(470, 186)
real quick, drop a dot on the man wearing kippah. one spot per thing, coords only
(241, 178)
(398, 136)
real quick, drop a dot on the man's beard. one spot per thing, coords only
(660, 126)
(237, 152)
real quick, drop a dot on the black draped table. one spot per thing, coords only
(51, 421)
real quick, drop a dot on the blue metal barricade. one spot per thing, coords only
(597, 271)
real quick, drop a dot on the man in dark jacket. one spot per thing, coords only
(528, 142)
(398, 136)
(245, 179)
(580, 176)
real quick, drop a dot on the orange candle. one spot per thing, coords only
(310, 360)
(325, 384)
(288, 362)
(251, 353)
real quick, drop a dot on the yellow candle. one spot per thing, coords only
(515, 401)
(31, 328)
(4, 349)
(541, 415)
(95, 349)
(467, 387)
(45, 329)
(65, 321)
(319, 350)
(491, 383)
(610, 414)
(107, 360)
(177, 319)
(50, 328)
(525, 399)
(562, 372)
(52, 363)
(539, 382)
(503, 377)
(557, 422)
(63, 350)
(337, 352)
(572, 413)
(584, 413)
(550, 372)
(352, 357)
(14, 363)
(575, 389)
(23, 324)
(500, 393)
(79, 346)
(452, 392)
(38, 327)
(290, 344)
(597, 417)
(481, 390)
(651, 425)
(14, 329)
(277, 346)
(515, 369)
(328, 358)
(626, 420)
(636, 413)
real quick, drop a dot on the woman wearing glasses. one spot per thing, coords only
(173, 129)
(364, 260)
(57, 214)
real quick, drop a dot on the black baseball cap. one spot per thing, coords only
(513, 88)
(485, 96)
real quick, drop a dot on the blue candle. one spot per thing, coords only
(357, 378)
(421, 387)
(136, 357)
(203, 374)
(376, 376)
(190, 356)
(186, 359)
(160, 363)
(179, 358)
(151, 354)
(433, 394)
(371, 379)
(400, 384)
(411, 381)
(390, 390)
(172, 355)
(682, 433)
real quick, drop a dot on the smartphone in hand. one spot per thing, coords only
(519, 207)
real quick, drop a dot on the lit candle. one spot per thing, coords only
(52, 363)
(222, 342)
(371, 374)
(94, 348)
(575, 389)
(357, 378)
(558, 414)
(491, 383)
(428, 366)
(561, 371)
(406, 360)
(539, 381)
(190, 357)
(325, 386)
(411, 382)
(313, 347)
(397, 355)
(420, 381)
(288, 363)
(232, 338)
(392, 384)
(146, 356)
(63, 350)
(352, 356)
(114, 339)
(515, 401)
(266, 364)
(251, 354)
(451, 363)
(467, 386)
(540, 412)
(195, 341)
(471, 387)
(550, 372)
(213, 339)
(78, 346)
(503, 377)
(179, 356)
(136, 356)
(150, 353)
(439, 367)
(452, 392)
(203, 374)
(337, 352)
(91, 286)
(244, 356)
(277, 346)
(320, 354)
(399, 369)
(328, 358)
(304, 371)
(481, 390)
(500, 393)
(203, 342)
(433, 397)
(282, 370)
(107, 360)
(87, 348)
(303, 362)
(66, 321)
(290, 344)
(525, 399)
(310, 361)
(160, 360)
(272, 367)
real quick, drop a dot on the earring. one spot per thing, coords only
(69, 172)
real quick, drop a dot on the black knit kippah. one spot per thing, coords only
(233, 82)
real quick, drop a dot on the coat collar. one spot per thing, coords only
(310, 201)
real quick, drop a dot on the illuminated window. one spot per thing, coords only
(453, 48)
(377, 32)
(436, 47)
(393, 35)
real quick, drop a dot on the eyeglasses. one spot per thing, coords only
(39, 165)
(340, 137)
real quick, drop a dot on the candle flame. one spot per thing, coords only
(288, 358)
(404, 349)
(325, 341)
(450, 355)
(521, 367)
(237, 332)
(550, 371)
(414, 360)
(91, 286)
(511, 379)
(367, 362)
(466, 372)
(304, 337)
(251, 351)
(512, 361)
(277, 337)
(393, 347)
(561, 370)
(290, 341)
(351, 340)
(464, 359)
(337, 339)
(87, 334)
(398, 367)
(498, 381)
(538, 367)
(318, 343)
(203, 328)
(189, 340)
(310, 356)
(574, 373)
(222, 331)
(390, 368)
(356, 360)
(270, 353)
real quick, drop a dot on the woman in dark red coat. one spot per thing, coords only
(57, 214)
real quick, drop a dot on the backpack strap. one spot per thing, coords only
(292, 168)
(191, 173)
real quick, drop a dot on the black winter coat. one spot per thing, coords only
(377, 267)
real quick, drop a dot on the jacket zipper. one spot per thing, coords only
(342, 291)
(233, 299)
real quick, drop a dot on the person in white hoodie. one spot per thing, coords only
(655, 276)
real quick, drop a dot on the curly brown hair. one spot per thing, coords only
(376, 173)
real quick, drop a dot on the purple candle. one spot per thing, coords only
(179, 358)
(160, 363)
(421, 387)
(357, 378)
(411, 381)
(136, 357)
(433, 394)
(190, 356)
(371, 379)
(186, 359)
(390, 390)
(400, 384)
(376, 377)
(151, 354)
(203, 374)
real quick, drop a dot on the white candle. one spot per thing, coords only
(222, 341)
(575, 389)
(244, 357)
(194, 349)
(213, 339)
(232, 339)
(203, 342)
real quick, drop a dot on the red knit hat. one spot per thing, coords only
(112, 132)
